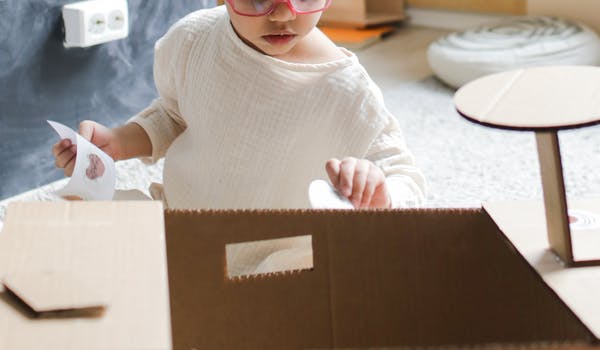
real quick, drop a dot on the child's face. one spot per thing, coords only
(277, 33)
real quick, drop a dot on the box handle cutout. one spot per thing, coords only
(266, 257)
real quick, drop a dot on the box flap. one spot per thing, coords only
(118, 250)
(380, 279)
(524, 224)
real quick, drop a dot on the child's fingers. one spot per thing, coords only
(333, 171)
(361, 171)
(86, 129)
(69, 167)
(60, 146)
(63, 158)
(347, 167)
(66, 159)
(370, 186)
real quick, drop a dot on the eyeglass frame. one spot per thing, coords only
(272, 8)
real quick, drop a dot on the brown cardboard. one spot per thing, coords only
(380, 279)
(117, 249)
(407, 278)
(523, 223)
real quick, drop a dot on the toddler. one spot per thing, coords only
(254, 103)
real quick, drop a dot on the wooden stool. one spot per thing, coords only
(544, 100)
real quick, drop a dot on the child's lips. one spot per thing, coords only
(279, 38)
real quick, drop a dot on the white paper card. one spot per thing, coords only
(322, 195)
(94, 176)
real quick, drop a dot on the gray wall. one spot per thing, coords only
(40, 79)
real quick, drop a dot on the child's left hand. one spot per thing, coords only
(359, 180)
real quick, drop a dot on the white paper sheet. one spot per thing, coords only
(94, 176)
(322, 195)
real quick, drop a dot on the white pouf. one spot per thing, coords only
(512, 43)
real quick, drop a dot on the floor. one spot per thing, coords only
(400, 58)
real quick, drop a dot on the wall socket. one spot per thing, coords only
(94, 22)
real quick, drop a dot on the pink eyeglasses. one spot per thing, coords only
(256, 8)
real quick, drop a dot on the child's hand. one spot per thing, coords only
(104, 138)
(361, 181)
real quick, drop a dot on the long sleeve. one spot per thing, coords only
(162, 120)
(388, 151)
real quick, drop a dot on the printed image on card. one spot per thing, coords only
(583, 220)
(94, 176)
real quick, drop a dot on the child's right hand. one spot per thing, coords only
(104, 138)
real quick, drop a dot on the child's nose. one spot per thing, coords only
(282, 12)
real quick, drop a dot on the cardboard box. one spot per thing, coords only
(409, 278)
(424, 278)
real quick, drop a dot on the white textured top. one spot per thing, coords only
(240, 129)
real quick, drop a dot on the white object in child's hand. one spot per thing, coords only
(94, 176)
(322, 195)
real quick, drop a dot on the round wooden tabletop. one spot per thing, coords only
(543, 98)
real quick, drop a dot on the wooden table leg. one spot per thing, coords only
(557, 221)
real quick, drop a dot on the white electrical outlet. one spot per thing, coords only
(116, 20)
(94, 22)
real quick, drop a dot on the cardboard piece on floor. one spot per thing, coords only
(406, 278)
(46, 291)
(524, 224)
(118, 250)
